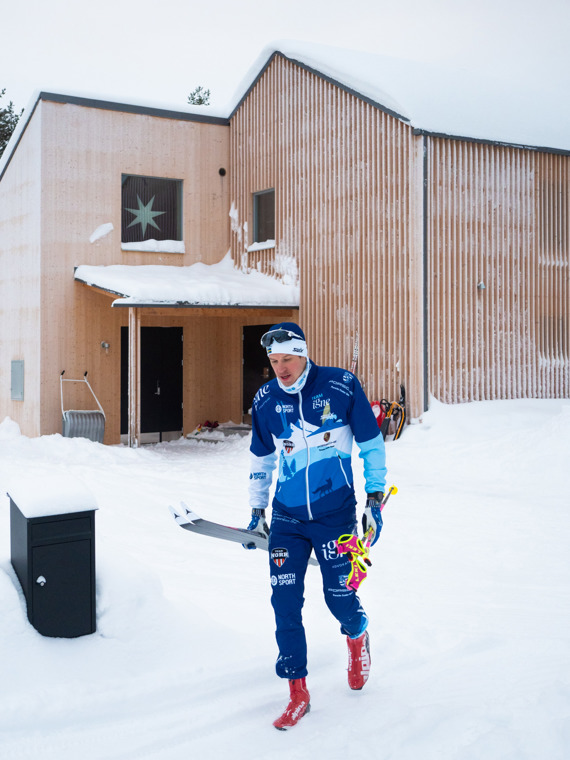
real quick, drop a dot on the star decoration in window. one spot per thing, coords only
(144, 215)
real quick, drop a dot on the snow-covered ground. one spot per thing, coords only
(468, 598)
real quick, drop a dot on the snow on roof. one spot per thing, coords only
(220, 284)
(441, 99)
(140, 105)
(510, 107)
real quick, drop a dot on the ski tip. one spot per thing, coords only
(183, 514)
(189, 514)
(174, 513)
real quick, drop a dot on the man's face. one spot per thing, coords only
(287, 367)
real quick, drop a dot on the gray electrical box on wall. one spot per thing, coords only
(17, 380)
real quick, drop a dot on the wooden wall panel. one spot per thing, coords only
(349, 185)
(348, 214)
(498, 217)
(20, 284)
(84, 152)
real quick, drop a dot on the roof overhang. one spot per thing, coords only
(197, 287)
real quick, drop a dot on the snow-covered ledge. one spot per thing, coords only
(265, 245)
(220, 284)
(156, 246)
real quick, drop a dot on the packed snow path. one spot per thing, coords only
(468, 598)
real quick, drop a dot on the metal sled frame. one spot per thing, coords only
(82, 423)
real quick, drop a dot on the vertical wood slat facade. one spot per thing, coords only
(345, 177)
(498, 217)
(479, 309)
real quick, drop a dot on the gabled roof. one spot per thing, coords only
(433, 99)
(437, 99)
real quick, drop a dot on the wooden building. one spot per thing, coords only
(448, 256)
(64, 181)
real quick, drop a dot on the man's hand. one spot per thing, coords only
(258, 524)
(372, 517)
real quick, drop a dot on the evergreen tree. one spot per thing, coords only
(8, 121)
(199, 97)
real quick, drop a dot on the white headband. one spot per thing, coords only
(294, 346)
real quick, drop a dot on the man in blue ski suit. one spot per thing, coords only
(304, 422)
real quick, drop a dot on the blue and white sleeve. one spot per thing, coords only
(369, 440)
(260, 476)
(373, 452)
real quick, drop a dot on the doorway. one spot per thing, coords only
(161, 383)
(256, 370)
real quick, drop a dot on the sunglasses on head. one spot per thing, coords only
(279, 336)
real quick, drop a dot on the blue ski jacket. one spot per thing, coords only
(309, 435)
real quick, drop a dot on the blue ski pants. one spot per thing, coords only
(290, 545)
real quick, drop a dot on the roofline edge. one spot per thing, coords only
(486, 141)
(326, 78)
(111, 105)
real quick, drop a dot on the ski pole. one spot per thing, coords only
(370, 532)
(391, 490)
(358, 550)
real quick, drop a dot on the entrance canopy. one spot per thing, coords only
(198, 285)
(200, 290)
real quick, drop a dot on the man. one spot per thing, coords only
(305, 420)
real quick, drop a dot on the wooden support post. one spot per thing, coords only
(134, 436)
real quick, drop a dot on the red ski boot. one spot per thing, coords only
(299, 704)
(358, 660)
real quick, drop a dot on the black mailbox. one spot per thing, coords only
(54, 559)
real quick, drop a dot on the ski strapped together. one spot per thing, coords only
(190, 521)
(357, 549)
(354, 355)
(391, 415)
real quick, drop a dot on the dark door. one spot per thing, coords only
(62, 589)
(161, 379)
(256, 369)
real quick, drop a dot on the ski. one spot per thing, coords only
(395, 416)
(189, 520)
(355, 352)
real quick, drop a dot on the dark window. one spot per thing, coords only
(264, 216)
(151, 209)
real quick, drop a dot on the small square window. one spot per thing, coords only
(151, 209)
(264, 216)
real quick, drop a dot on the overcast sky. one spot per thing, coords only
(159, 51)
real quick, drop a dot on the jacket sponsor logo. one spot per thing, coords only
(288, 446)
(327, 437)
(263, 391)
(257, 475)
(286, 408)
(320, 403)
(285, 579)
(347, 377)
(279, 556)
